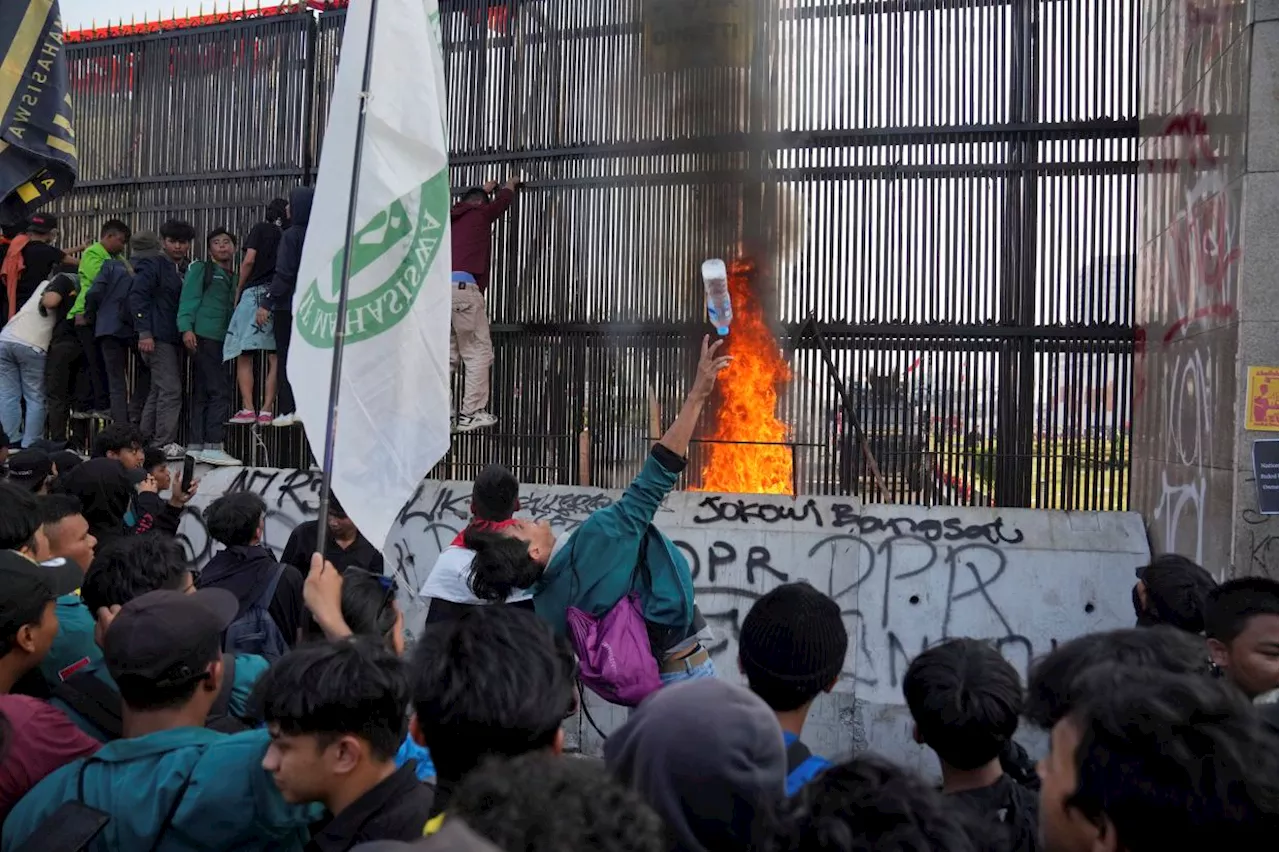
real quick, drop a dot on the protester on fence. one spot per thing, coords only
(868, 803)
(108, 304)
(69, 538)
(707, 756)
(204, 313)
(63, 358)
(1241, 625)
(791, 649)
(495, 497)
(170, 782)
(30, 260)
(277, 306)
(344, 546)
(20, 527)
(153, 301)
(965, 699)
(471, 221)
(121, 572)
(31, 469)
(539, 803)
(247, 335)
(35, 739)
(1151, 760)
(111, 244)
(121, 442)
(492, 683)
(1172, 590)
(25, 343)
(614, 552)
(335, 711)
(269, 593)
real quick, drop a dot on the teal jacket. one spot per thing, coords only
(596, 567)
(74, 641)
(213, 784)
(206, 310)
(249, 667)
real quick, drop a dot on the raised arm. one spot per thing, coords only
(710, 363)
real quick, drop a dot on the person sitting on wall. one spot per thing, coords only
(616, 551)
(344, 546)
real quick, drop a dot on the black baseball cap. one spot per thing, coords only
(163, 637)
(25, 585)
(42, 223)
(29, 468)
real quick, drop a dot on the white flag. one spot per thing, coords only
(393, 422)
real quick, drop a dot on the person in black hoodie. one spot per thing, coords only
(248, 570)
(108, 304)
(278, 304)
(116, 505)
(153, 302)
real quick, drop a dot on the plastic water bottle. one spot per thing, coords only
(719, 307)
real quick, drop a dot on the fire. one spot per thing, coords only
(749, 398)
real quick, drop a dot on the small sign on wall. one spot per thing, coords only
(1263, 402)
(1266, 475)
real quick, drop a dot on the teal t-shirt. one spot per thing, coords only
(74, 646)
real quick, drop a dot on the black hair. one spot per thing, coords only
(133, 566)
(1173, 762)
(541, 803)
(117, 437)
(1231, 605)
(495, 494)
(965, 699)
(502, 564)
(220, 231)
(154, 457)
(115, 226)
(335, 508)
(475, 193)
(16, 619)
(1051, 683)
(1176, 593)
(233, 519)
(178, 231)
(367, 603)
(334, 688)
(19, 517)
(868, 803)
(490, 683)
(55, 508)
(277, 211)
(143, 693)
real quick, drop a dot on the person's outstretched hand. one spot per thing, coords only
(322, 593)
(490, 186)
(709, 366)
(180, 498)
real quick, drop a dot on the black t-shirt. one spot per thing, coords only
(265, 240)
(1012, 808)
(39, 261)
(66, 285)
(302, 543)
(286, 608)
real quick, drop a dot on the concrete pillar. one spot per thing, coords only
(1207, 277)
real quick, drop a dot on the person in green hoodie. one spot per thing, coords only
(616, 551)
(204, 313)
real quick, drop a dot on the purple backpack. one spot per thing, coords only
(614, 657)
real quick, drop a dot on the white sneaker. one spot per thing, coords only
(479, 420)
(217, 457)
(289, 419)
(174, 451)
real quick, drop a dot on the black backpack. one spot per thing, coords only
(99, 702)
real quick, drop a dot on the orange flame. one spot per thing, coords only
(749, 398)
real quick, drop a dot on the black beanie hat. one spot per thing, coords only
(792, 645)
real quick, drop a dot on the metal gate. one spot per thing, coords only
(946, 187)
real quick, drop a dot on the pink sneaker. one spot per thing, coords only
(243, 416)
(264, 417)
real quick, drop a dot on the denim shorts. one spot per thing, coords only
(698, 672)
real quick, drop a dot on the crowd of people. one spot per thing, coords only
(273, 703)
(106, 331)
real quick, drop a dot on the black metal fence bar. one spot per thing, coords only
(947, 185)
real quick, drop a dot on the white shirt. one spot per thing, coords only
(450, 577)
(27, 326)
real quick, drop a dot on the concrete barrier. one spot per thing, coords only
(905, 577)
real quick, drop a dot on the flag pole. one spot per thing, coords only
(340, 324)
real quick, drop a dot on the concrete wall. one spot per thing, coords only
(1206, 300)
(904, 577)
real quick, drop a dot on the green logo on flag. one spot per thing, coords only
(373, 310)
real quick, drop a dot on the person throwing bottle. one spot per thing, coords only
(471, 221)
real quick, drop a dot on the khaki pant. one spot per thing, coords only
(469, 342)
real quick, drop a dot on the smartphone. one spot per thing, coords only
(71, 828)
(188, 472)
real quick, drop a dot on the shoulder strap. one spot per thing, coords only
(94, 700)
(207, 270)
(270, 593)
(797, 754)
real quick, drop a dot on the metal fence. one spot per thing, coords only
(946, 186)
